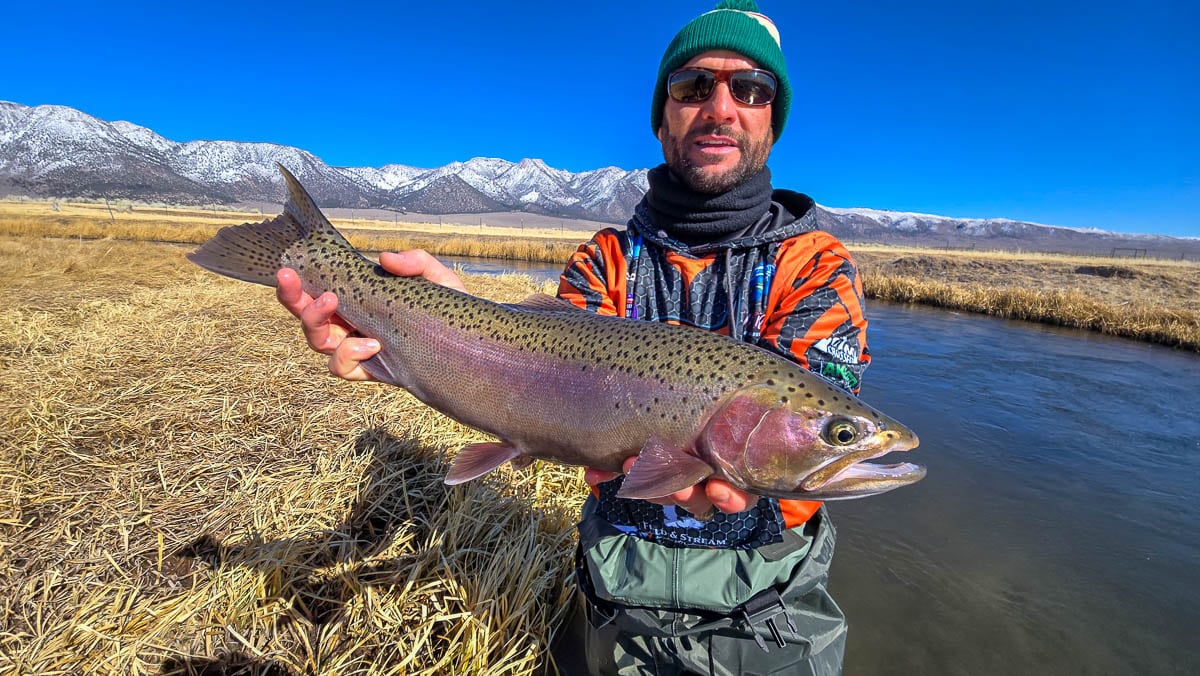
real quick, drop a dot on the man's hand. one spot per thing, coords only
(699, 500)
(328, 334)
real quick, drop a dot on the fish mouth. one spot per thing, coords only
(863, 479)
(853, 477)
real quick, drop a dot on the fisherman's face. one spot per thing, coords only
(716, 144)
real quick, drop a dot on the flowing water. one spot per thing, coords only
(491, 266)
(1058, 530)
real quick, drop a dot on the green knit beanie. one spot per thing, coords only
(735, 25)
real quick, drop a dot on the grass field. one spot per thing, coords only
(186, 490)
(193, 226)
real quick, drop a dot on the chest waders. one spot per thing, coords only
(644, 608)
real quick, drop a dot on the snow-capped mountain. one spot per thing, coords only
(875, 225)
(62, 152)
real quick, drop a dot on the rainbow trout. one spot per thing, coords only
(554, 382)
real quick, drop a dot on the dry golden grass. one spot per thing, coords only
(1149, 300)
(186, 490)
(193, 226)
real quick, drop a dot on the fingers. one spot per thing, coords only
(727, 498)
(346, 361)
(594, 477)
(322, 329)
(316, 318)
(289, 292)
(325, 331)
(693, 499)
(705, 498)
(700, 500)
(418, 263)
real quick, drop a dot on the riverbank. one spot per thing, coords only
(1150, 300)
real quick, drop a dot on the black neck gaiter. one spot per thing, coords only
(692, 217)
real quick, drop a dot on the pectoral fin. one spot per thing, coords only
(662, 469)
(476, 460)
(382, 367)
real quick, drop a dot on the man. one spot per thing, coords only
(710, 579)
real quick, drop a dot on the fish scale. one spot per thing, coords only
(554, 382)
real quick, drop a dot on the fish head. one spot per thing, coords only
(805, 442)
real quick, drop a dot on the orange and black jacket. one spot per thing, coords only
(782, 284)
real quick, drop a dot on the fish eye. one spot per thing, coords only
(841, 433)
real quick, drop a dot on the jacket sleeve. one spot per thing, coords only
(594, 278)
(815, 309)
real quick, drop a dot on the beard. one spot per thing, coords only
(700, 177)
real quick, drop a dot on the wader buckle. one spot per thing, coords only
(597, 615)
(764, 607)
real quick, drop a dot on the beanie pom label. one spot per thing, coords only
(739, 5)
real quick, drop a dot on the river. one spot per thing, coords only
(1058, 529)
(492, 266)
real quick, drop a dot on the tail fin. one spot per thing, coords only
(253, 252)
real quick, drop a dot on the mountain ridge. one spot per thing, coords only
(58, 151)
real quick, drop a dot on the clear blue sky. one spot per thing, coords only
(1053, 111)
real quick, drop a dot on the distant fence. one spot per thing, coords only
(1127, 252)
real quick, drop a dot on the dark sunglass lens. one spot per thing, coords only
(690, 86)
(753, 88)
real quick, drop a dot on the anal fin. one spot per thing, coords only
(475, 460)
(662, 469)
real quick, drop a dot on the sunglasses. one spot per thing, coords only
(751, 87)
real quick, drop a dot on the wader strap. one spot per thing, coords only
(599, 613)
(764, 607)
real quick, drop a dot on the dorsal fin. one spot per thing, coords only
(545, 303)
(304, 211)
